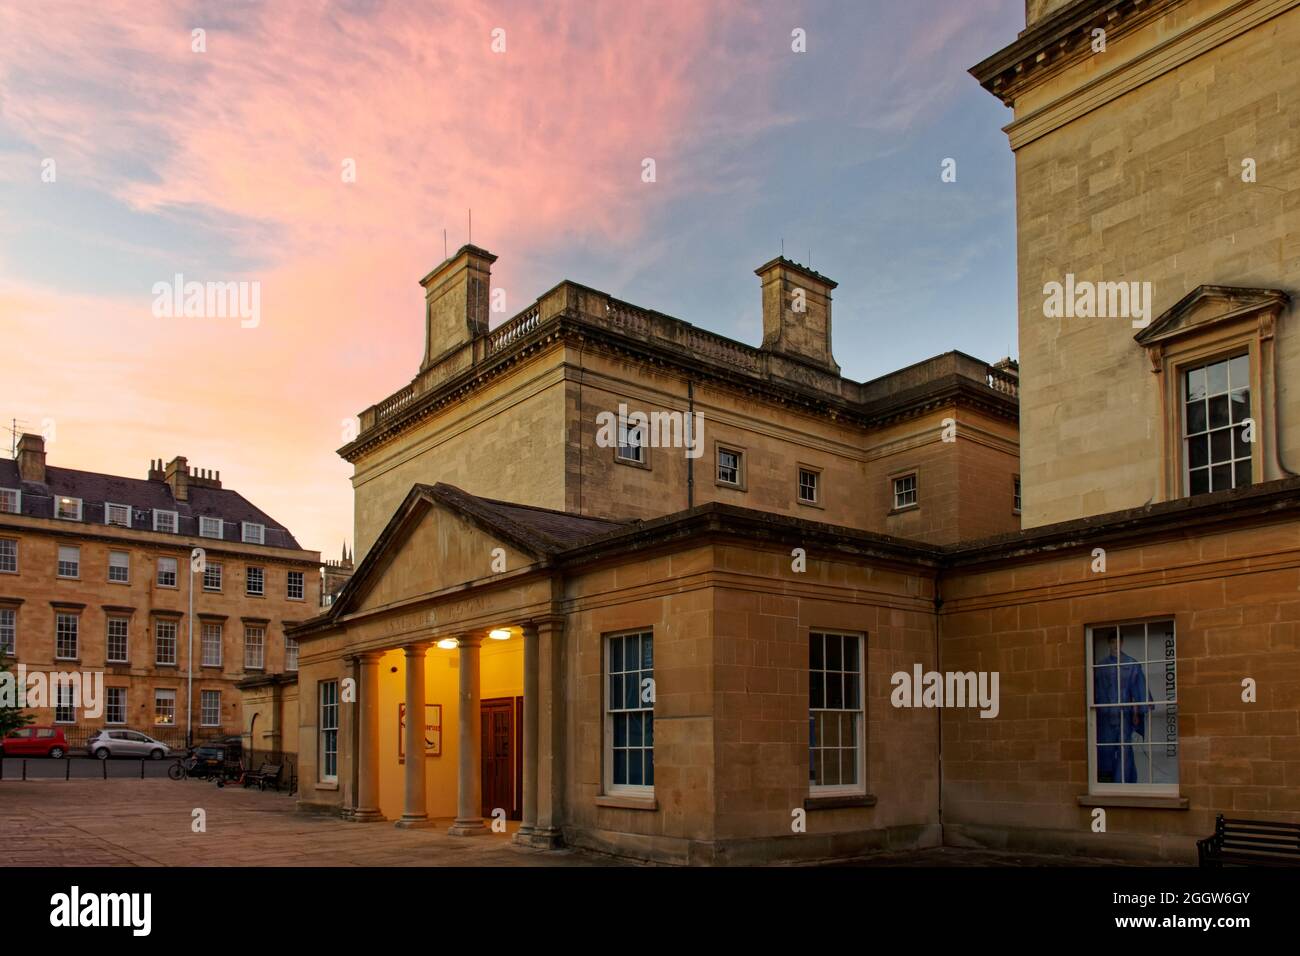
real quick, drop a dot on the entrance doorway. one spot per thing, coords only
(502, 748)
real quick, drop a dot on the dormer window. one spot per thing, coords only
(11, 501)
(69, 509)
(117, 514)
(211, 527)
(164, 521)
(253, 533)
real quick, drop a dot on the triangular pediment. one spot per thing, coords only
(428, 546)
(1207, 306)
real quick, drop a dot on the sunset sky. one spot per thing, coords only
(225, 165)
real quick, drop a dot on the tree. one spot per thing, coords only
(11, 715)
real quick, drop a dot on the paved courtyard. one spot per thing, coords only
(133, 822)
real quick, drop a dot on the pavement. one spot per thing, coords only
(126, 821)
(132, 822)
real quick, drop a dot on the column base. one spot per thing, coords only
(467, 826)
(413, 823)
(365, 816)
(540, 838)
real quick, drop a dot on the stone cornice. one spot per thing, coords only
(1060, 40)
(571, 328)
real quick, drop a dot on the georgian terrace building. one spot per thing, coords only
(95, 577)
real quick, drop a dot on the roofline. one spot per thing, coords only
(567, 323)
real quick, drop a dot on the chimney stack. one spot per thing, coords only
(178, 477)
(31, 458)
(456, 299)
(797, 313)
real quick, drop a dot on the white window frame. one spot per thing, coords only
(58, 508)
(59, 562)
(327, 734)
(1016, 495)
(9, 642)
(901, 492)
(213, 567)
(1184, 374)
(1131, 789)
(609, 710)
(204, 696)
(126, 567)
(739, 480)
(160, 625)
(246, 526)
(211, 634)
(161, 694)
(60, 618)
(290, 653)
(175, 521)
(816, 499)
(860, 743)
(175, 573)
(248, 580)
(302, 586)
(205, 526)
(109, 638)
(14, 569)
(60, 690)
(258, 630)
(17, 499)
(108, 515)
(625, 438)
(109, 694)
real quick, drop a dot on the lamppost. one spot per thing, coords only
(198, 563)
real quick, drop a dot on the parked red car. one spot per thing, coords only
(34, 742)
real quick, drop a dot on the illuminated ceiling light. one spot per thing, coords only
(449, 643)
(499, 634)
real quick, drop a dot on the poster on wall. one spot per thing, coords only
(432, 730)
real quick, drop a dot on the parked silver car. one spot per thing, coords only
(126, 743)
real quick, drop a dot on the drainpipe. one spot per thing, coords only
(690, 442)
(938, 607)
(1277, 418)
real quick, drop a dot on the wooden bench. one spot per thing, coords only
(1251, 843)
(267, 775)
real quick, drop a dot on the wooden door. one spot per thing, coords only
(500, 746)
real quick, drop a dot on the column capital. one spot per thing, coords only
(471, 638)
(547, 622)
(416, 649)
(364, 657)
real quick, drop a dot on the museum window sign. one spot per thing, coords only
(1133, 708)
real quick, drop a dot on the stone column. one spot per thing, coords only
(550, 732)
(367, 755)
(415, 812)
(529, 824)
(469, 785)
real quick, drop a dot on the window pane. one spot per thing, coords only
(834, 690)
(1220, 477)
(1240, 405)
(815, 652)
(1196, 384)
(1239, 371)
(817, 690)
(615, 654)
(1219, 416)
(1221, 445)
(1217, 378)
(833, 646)
(1196, 418)
(1242, 469)
(1200, 481)
(1198, 451)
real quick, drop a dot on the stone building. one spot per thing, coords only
(776, 633)
(95, 576)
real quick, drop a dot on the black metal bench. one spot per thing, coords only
(267, 775)
(1251, 843)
